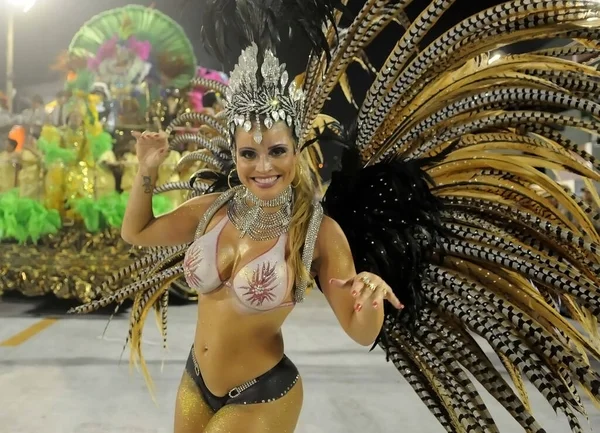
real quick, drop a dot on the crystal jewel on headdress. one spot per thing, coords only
(276, 99)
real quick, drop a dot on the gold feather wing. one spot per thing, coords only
(486, 133)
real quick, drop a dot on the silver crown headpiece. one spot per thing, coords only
(275, 99)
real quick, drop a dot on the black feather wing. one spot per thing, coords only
(391, 220)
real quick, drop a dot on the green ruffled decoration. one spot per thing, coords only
(24, 219)
(109, 210)
(81, 86)
(100, 143)
(54, 153)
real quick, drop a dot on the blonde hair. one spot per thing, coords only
(304, 195)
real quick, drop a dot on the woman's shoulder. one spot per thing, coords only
(205, 208)
(329, 238)
(329, 229)
(204, 200)
(331, 243)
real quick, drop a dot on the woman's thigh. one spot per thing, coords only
(279, 416)
(192, 414)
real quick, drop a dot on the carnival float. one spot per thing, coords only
(63, 196)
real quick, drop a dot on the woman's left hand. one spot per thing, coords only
(368, 290)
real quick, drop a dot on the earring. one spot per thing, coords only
(229, 177)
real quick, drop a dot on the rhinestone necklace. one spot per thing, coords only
(246, 213)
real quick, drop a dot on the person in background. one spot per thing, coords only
(8, 165)
(59, 115)
(35, 116)
(7, 118)
(29, 176)
(105, 181)
(19, 134)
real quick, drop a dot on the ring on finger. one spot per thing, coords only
(365, 280)
(372, 287)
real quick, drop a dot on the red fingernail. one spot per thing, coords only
(358, 307)
(354, 293)
(375, 304)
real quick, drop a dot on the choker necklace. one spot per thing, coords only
(246, 213)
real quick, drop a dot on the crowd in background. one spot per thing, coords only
(21, 162)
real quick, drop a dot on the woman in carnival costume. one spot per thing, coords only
(80, 143)
(432, 232)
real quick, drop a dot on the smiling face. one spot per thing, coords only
(268, 168)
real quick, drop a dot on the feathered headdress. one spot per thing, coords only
(232, 25)
(260, 88)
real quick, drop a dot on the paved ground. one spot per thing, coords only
(65, 379)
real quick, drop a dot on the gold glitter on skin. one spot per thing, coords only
(192, 414)
(279, 416)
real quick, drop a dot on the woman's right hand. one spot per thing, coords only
(152, 148)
